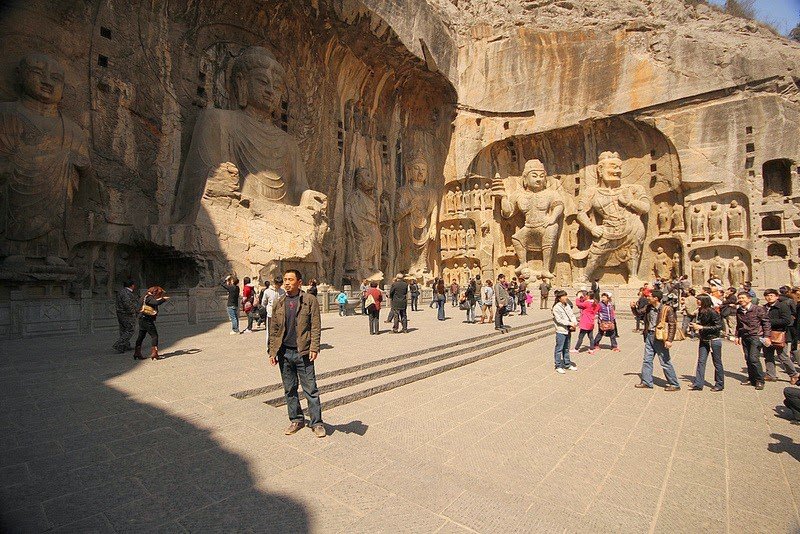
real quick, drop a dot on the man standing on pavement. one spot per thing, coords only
(658, 316)
(544, 292)
(398, 294)
(272, 293)
(521, 294)
(501, 301)
(690, 307)
(780, 320)
(127, 306)
(294, 336)
(753, 330)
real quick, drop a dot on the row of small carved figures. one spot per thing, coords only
(702, 224)
(471, 200)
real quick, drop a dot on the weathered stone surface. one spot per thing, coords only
(211, 158)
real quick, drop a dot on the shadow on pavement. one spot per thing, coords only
(179, 352)
(784, 444)
(79, 455)
(353, 427)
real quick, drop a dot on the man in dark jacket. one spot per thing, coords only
(127, 306)
(398, 295)
(294, 336)
(657, 313)
(501, 301)
(780, 320)
(752, 326)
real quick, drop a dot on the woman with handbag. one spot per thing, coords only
(468, 301)
(606, 323)
(589, 308)
(147, 321)
(248, 303)
(487, 301)
(708, 326)
(780, 319)
(373, 306)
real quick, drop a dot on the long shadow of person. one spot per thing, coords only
(784, 444)
(80, 455)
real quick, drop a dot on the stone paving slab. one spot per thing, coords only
(93, 441)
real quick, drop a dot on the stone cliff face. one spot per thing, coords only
(701, 107)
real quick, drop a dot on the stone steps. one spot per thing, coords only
(398, 371)
(249, 393)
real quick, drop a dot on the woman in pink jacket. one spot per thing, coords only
(589, 308)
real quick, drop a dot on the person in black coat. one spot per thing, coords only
(708, 327)
(231, 285)
(147, 321)
(398, 295)
(781, 320)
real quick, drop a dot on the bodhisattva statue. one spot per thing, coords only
(452, 236)
(717, 268)
(677, 271)
(470, 238)
(476, 197)
(697, 221)
(715, 222)
(458, 200)
(735, 220)
(362, 218)
(664, 218)
(43, 157)
(417, 215)
(267, 158)
(449, 202)
(620, 234)
(677, 218)
(698, 271)
(543, 210)
(462, 238)
(662, 266)
(737, 271)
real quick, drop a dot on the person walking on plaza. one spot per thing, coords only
(373, 306)
(487, 302)
(440, 298)
(780, 319)
(512, 294)
(363, 288)
(690, 307)
(638, 307)
(248, 304)
(659, 333)
(231, 285)
(565, 322)
(126, 305)
(293, 344)
(728, 313)
(606, 323)
(544, 293)
(470, 298)
(501, 300)
(522, 294)
(273, 293)
(752, 326)
(147, 321)
(261, 309)
(398, 295)
(708, 326)
(414, 289)
(341, 300)
(589, 309)
(455, 290)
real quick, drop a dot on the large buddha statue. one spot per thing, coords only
(417, 215)
(43, 156)
(362, 217)
(267, 158)
(617, 209)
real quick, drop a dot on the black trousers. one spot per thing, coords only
(791, 399)
(751, 345)
(374, 321)
(147, 325)
(127, 327)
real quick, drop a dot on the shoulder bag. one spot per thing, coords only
(778, 339)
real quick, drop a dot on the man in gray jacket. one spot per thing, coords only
(501, 301)
(294, 336)
(398, 294)
(565, 322)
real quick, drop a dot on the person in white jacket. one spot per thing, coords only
(565, 321)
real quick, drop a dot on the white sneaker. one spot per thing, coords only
(233, 332)
(247, 331)
(560, 370)
(573, 367)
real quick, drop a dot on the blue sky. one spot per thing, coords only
(783, 14)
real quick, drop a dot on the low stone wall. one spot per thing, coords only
(24, 316)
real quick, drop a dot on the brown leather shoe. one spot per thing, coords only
(642, 385)
(760, 386)
(715, 389)
(319, 431)
(294, 427)
(672, 388)
(768, 378)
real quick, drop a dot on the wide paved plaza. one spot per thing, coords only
(425, 434)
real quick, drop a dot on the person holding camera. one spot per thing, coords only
(708, 327)
(566, 323)
(231, 285)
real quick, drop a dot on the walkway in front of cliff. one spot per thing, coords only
(449, 428)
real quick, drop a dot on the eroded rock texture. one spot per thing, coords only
(187, 155)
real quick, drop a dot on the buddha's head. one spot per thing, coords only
(259, 81)
(41, 78)
(534, 177)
